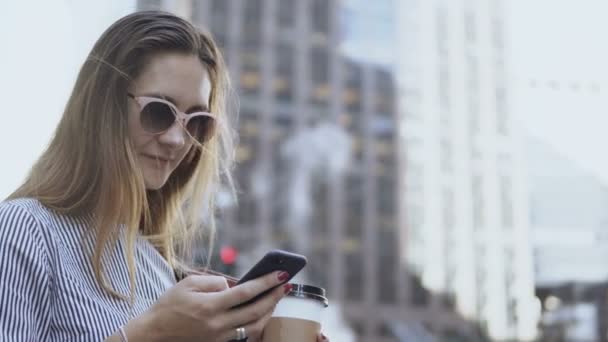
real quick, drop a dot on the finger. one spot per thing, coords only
(253, 330)
(322, 338)
(231, 282)
(248, 290)
(205, 283)
(255, 311)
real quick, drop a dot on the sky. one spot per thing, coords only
(559, 70)
(43, 45)
(368, 31)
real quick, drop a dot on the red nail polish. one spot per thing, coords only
(283, 276)
(287, 288)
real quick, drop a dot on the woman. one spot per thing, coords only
(90, 242)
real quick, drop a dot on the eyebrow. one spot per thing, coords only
(195, 108)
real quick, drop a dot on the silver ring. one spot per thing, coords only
(241, 334)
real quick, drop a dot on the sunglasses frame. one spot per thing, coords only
(180, 117)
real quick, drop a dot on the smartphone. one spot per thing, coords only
(275, 260)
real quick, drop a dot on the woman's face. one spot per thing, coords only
(182, 80)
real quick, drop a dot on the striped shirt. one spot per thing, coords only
(48, 290)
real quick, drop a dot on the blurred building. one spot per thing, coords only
(466, 192)
(319, 159)
(569, 219)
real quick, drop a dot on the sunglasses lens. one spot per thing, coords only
(201, 127)
(157, 117)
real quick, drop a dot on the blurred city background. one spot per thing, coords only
(439, 161)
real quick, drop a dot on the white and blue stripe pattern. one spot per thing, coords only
(48, 290)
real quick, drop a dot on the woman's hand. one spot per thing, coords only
(199, 308)
(322, 338)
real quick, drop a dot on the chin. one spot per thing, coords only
(154, 184)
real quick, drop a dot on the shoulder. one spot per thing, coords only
(23, 207)
(19, 213)
(24, 224)
(20, 221)
(34, 212)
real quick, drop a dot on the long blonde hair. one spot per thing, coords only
(89, 167)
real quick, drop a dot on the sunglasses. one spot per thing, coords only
(158, 115)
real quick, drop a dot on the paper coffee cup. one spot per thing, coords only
(297, 317)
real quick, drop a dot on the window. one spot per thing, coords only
(385, 331)
(284, 76)
(319, 69)
(384, 99)
(250, 73)
(506, 201)
(354, 276)
(446, 155)
(251, 20)
(286, 13)
(386, 195)
(354, 206)
(320, 16)
(387, 254)
(218, 21)
(320, 219)
(282, 129)
(473, 92)
(470, 25)
(317, 266)
(441, 28)
(414, 217)
(444, 91)
(448, 209)
(480, 281)
(353, 79)
(247, 152)
(497, 33)
(478, 200)
(501, 111)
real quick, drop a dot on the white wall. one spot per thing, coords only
(43, 45)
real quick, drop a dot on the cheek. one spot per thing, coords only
(137, 136)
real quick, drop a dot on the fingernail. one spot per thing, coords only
(323, 336)
(283, 276)
(287, 288)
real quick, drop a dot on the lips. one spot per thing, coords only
(158, 158)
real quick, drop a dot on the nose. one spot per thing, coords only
(174, 137)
